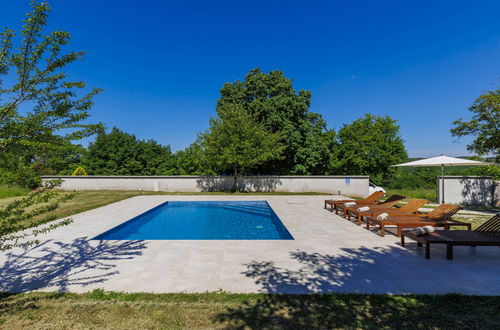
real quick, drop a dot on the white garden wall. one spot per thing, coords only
(471, 190)
(356, 186)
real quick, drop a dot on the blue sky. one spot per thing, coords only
(162, 63)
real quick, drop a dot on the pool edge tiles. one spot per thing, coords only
(202, 220)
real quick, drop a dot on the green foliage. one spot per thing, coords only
(413, 177)
(38, 204)
(490, 170)
(369, 146)
(484, 125)
(62, 159)
(41, 110)
(79, 171)
(272, 101)
(120, 153)
(192, 161)
(14, 171)
(235, 143)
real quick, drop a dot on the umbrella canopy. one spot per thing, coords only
(443, 161)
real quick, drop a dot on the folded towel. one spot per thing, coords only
(349, 204)
(363, 209)
(382, 216)
(428, 229)
(418, 231)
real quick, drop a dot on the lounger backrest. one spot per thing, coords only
(393, 198)
(413, 205)
(373, 197)
(491, 227)
(444, 211)
(391, 201)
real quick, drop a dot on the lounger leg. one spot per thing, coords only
(360, 219)
(403, 240)
(449, 251)
(399, 231)
(382, 230)
(427, 250)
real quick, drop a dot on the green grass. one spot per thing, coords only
(113, 310)
(425, 193)
(12, 191)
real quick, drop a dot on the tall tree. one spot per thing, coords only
(42, 109)
(235, 143)
(369, 146)
(120, 153)
(484, 125)
(273, 102)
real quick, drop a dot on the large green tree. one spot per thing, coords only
(369, 146)
(484, 125)
(272, 101)
(120, 153)
(235, 143)
(41, 109)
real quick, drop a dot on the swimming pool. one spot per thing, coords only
(207, 220)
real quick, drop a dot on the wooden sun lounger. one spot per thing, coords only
(439, 217)
(409, 208)
(388, 203)
(372, 199)
(488, 234)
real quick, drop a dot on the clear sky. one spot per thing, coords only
(162, 63)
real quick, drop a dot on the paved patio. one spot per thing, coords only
(329, 253)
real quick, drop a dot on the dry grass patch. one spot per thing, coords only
(110, 310)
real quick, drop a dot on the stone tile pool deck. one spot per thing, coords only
(328, 254)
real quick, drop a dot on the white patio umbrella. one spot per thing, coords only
(443, 161)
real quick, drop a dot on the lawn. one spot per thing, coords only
(99, 309)
(12, 191)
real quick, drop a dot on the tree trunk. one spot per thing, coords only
(235, 180)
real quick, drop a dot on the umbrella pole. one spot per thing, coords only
(442, 183)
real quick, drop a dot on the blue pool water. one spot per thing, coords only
(203, 221)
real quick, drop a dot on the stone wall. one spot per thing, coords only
(356, 186)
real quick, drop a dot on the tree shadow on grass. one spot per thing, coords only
(58, 265)
(320, 275)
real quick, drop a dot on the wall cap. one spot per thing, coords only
(465, 177)
(200, 176)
